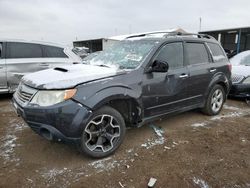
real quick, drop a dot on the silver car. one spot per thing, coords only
(241, 75)
(18, 58)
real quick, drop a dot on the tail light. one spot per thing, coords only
(229, 67)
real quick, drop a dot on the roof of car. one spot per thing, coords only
(162, 37)
(31, 41)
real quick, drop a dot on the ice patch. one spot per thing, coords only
(201, 183)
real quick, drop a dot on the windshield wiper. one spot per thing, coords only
(102, 65)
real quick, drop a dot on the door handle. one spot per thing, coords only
(1, 67)
(212, 70)
(183, 76)
(43, 64)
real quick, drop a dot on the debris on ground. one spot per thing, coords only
(152, 182)
(157, 130)
(121, 184)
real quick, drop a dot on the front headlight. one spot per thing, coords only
(247, 81)
(48, 98)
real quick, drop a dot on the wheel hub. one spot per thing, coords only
(101, 133)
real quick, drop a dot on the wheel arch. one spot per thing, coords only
(125, 101)
(219, 79)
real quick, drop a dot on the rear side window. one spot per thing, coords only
(52, 51)
(172, 53)
(196, 53)
(24, 50)
(217, 53)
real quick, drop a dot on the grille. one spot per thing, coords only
(237, 78)
(24, 93)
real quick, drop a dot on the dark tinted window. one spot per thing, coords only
(172, 53)
(196, 53)
(52, 51)
(217, 52)
(24, 50)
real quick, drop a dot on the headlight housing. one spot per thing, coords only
(51, 97)
(247, 80)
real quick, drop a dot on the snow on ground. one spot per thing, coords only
(8, 142)
(202, 124)
(229, 115)
(159, 140)
(201, 183)
(234, 112)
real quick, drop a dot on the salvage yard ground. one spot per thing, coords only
(187, 150)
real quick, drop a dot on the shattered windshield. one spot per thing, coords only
(123, 55)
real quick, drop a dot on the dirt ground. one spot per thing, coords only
(190, 150)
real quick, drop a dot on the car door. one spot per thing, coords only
(200, 69)
(3, 77)
(166, 92)
(54, 56)
(22, 58)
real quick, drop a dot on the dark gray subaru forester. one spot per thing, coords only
(137, 80)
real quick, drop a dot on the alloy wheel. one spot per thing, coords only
(217, 100)
(101, 133)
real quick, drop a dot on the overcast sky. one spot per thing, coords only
(63, 21)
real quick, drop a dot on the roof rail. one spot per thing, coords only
(151, 33)
(196, 34)
(173, 33)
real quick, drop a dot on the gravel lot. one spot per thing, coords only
(190, 150)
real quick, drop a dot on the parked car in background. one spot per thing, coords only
(18, 58)
(135, 81)
(241, 74)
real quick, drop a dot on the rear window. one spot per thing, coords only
(196, 53)
(24, 50)
(217, 53)
(52, 51)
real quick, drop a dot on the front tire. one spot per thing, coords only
(103, 133)
(215, 101)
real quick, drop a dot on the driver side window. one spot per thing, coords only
(172, 53)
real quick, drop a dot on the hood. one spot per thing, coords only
(241, 70)
(68, 76)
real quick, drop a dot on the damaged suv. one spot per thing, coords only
(137, 80)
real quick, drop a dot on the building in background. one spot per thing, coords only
(235, 40)
(100, 44)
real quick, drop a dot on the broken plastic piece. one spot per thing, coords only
(152, 182)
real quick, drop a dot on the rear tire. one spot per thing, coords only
(104, 133)
(215, 101)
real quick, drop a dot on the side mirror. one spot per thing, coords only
(159, 66)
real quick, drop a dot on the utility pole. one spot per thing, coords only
(200, 20)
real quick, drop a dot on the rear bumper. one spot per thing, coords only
(61, 122)
(240, 90)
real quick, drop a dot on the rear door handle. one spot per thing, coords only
(43, 64)
(183, 76)
(212, 70)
